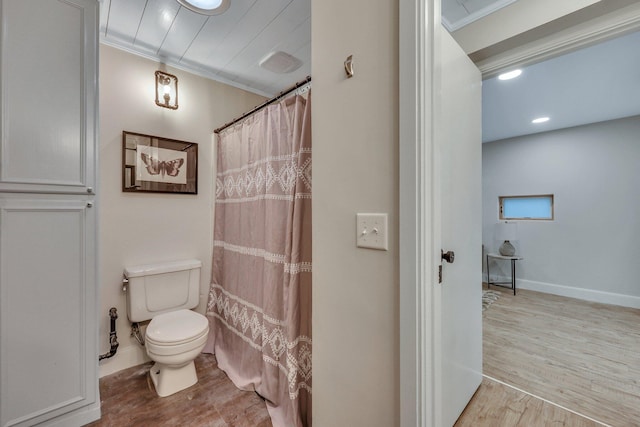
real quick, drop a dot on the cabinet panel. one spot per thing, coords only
(48, 61)
(48, 363)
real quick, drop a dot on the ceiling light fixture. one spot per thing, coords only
(540, 120)
(510, 75)
(206, 7)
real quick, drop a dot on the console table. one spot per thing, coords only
(513, 260)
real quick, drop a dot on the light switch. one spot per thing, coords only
(371, 231)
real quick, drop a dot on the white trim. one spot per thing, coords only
(417, 267)
(478, 14)
(81, 417)
(433, 150)
(122, 45)
(580, 293)
(617, 23)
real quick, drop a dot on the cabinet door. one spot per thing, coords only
(48, 356)
(48, 83)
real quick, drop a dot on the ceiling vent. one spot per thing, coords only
(280, 62)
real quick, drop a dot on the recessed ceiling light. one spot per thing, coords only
(540, 120)
(206, 7)
(510, 75)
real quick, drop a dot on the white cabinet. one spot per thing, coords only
(47, 339)
(48, 277)
(48, 71)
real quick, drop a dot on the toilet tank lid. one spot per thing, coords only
(165, 267)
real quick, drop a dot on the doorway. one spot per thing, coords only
(555, 160)
(418, 388)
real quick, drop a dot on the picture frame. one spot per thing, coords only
(153, 164)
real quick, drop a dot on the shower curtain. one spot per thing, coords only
(260, 297)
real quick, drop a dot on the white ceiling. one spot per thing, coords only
(598, 83)
(225, 47)
(228, 47)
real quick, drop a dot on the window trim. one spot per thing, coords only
(501, 199)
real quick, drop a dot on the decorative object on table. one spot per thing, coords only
(156, 164)
(506, 232)
(488, 298)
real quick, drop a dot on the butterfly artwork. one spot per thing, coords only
(157, 167)
(162, 165)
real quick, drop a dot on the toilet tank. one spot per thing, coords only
(159, 288)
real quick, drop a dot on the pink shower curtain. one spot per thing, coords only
(260, 296)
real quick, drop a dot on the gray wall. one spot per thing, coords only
(592, 248)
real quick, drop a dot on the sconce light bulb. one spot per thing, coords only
(167, 89)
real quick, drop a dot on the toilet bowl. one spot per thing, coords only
(173, 340)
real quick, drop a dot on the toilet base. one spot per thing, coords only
(170, 379)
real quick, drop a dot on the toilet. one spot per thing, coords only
(165, 294)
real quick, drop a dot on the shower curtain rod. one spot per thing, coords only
(264, 104)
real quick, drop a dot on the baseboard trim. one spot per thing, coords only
(126, 357)
(572, 292)
(79, 417)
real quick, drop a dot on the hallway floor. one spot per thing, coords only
(580, 355)
(129, 399)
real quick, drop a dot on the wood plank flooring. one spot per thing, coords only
(129, 399)
(581, 355)
(497, 405)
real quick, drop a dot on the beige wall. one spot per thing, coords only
(149, 228)
(355, 149)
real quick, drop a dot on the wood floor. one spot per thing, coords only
(498, 405)
(129, 399)
(580, 355)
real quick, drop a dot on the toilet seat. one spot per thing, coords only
(176, 327)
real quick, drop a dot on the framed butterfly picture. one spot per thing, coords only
(155, 164)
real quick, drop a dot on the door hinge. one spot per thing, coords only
(440, 273)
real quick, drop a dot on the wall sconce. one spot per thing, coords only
(166, 90)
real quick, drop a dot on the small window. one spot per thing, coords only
(527, 207)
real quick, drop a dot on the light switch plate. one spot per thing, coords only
(371, 231)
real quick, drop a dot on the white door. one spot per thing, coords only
(458, 141)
